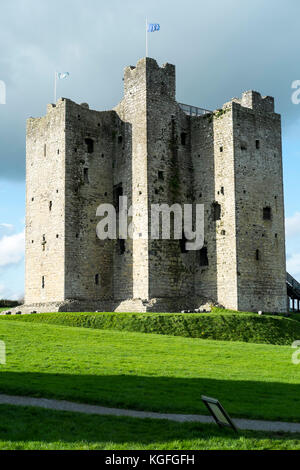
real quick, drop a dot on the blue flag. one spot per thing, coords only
(152, 27)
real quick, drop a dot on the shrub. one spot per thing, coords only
(4, 303)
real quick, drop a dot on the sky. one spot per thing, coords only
(220, 48)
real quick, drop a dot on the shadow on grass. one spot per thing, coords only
(250, 399)
(26, 426)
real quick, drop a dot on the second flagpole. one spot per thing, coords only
(146, 37)
(55, 78)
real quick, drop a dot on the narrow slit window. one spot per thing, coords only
(86, 175)
(89, 145)
(44, 243)
(97, 279)
(160, 175)
(267, 213)
(203, 258)
(221, 149)
(43, 282)
(117, 193)
(183, 138)
(257, 255)
(257, 144)
(216, 211)
(121, 246)
(120, 139)
(50, 206)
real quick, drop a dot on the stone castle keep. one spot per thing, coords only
(154, 150)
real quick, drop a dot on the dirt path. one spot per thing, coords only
(62, 405)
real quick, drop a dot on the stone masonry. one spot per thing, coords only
(151, 151)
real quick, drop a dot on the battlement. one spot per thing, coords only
(253, 100)
(59, 104)
(148, 74)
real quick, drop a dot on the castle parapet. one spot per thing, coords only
(160, 80)
(254, 100)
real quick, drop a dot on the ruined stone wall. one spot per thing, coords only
(238, 165)
(259, 185)
(214, 186)
(122, 175)
(91, 146)
(132, 111)
(202, 148)
(225, 227)
(169, 180)
(45, 207)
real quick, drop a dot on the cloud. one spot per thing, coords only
(6, 226)
(292, 225)
(6, 293)
(12, 249)
(293, 265)
(44, 42)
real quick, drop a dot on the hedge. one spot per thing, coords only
(245, 327)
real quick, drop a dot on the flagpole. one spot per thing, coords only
(55, 78)
(146, 37)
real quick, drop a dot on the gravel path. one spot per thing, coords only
(62, 405)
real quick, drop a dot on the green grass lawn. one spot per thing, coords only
(33, 428)
(148, 371)
(224, 325)
(295, 316)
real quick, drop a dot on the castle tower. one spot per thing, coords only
(260, 233)
(45, 208)
(238, 174)
(70, 155)
(154, 152)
